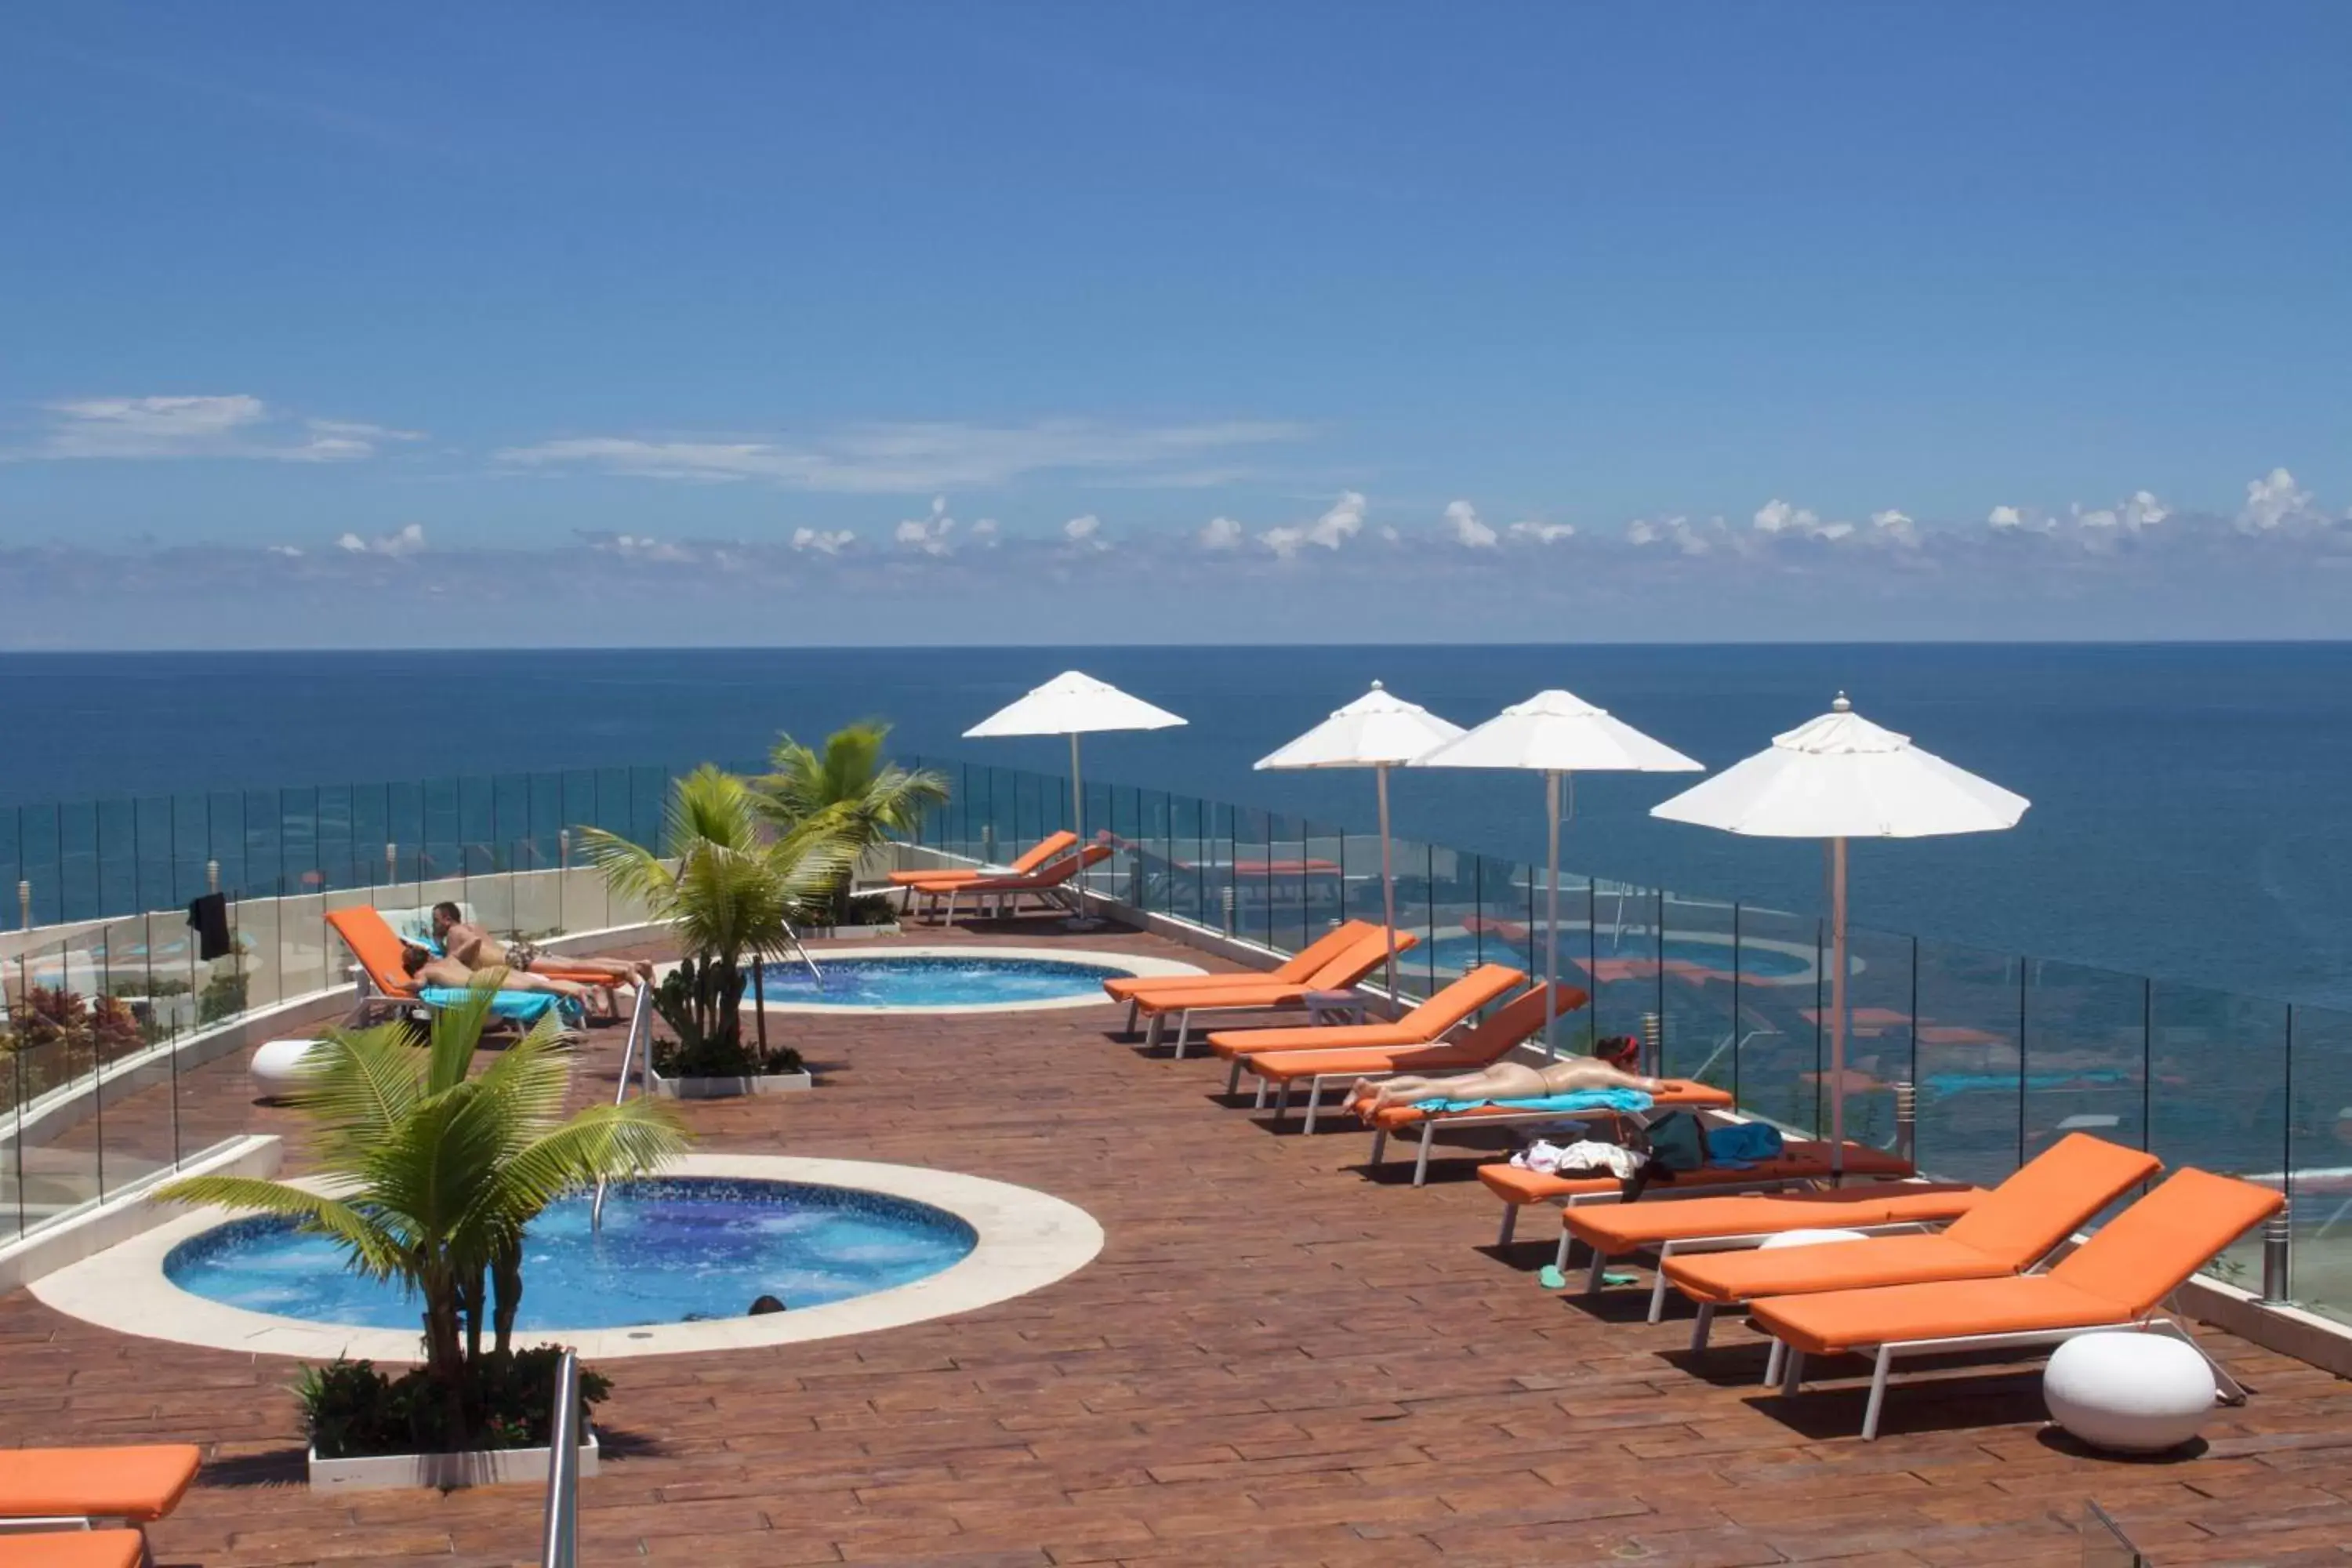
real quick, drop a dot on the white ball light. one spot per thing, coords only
(2129, 1393)
(277, 1068)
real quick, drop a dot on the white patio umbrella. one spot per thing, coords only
(1074, 704)
(1378, 731)
(1841, 777)
(1558, 734)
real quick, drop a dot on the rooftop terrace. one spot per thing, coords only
(1274, 1360)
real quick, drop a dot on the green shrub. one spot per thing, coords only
(354, 1411)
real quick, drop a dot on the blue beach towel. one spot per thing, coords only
(1626, 1100)
(1742, 1144)
(518, 1007)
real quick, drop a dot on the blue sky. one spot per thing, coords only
(1660, 321)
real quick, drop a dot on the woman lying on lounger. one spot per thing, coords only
(1504, 1081)
(425, 969)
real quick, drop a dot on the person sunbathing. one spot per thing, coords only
(477, 949)
(425, 969)
(1504, 1081)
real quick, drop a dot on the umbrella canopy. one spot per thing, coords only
(1074, 704)
(1841, 777)
(1378, 730)
(1556, 733)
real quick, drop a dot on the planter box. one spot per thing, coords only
(731, 1088)
(478, 1467)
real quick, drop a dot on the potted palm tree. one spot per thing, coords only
(731, 886)
(851, 792)
(429, 1175)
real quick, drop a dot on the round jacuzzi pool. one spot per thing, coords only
(950, 980)
(670, 1250)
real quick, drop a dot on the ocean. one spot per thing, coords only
(2190, 818)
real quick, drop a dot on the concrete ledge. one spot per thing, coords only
(2288, 1330)
(85, 1233)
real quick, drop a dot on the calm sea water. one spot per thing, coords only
(2190, 809)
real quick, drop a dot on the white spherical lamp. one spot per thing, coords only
(277, 1066)
(2128, 1393)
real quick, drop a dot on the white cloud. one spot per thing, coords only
(1220, 533)
(2004, 517)
(1896, 527)
(2276, 501)
(1543, 533)
(292, 552)
(635, 546)
(912, 456)
(822, 541)
(1468, 531)
(1332, 530)
(1674, 531)
(235, 425)
(1783, 520)
(1084, 533)
(407, 541)
(985, 533)
(929, 534)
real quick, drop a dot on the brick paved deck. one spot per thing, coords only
(1273, 1361)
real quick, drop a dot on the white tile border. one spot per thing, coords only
(1028, 1239)
(1116, 963)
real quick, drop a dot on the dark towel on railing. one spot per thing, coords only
(208, 918)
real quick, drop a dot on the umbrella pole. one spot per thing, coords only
(1387, 881)
(1551, 911)
(1838, 1008)
(1081, 920)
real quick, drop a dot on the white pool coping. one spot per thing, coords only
(1118, 963)
(1027, 1240)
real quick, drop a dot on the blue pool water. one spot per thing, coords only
(883, 982)
(671, 1249)
(1454, 954)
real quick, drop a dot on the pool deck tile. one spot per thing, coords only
(1274, 1360)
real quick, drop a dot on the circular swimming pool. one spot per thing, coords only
(1756, 960)
(952, 980)
(670, 1250)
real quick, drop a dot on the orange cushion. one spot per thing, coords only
(1619, 1228)
(1727, 1276)
(1332, 1037)
(72, 1549)
(138, 1482)
(1120, 987)
(1290, 1066)
(1689, 1095)
(2051, 1197)
(1852, 1320)
(1265, 993)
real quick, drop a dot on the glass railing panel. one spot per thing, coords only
(2086, 1042)
(1246, 872)
(1175, 865)
(536, 899)
(302, 962)
(1416, 913)
(191, 834)
(259, 931)
(136, 1109)
(1621, 965)
(510, 807)
(1286, 879)
(1102, 828)
(78, 860)
(39, 849)
(1971, 1090)
(335, 855)
(154, 886)
(12, 868)
(2218, 1099)
(114, 862)
(478, 817)
(298, 836)
(53, 1162)
(1882, 1048)
(1773, 1064)
(1452, 894)
(2320, 1170)
(1699, 988)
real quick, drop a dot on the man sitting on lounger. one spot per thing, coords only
(426, 970)
(477, 949)
(1504, 1081)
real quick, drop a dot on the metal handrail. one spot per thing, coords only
(792, 941)
(560, 1535)
(641, 1031)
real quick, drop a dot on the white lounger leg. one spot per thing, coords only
(1282, 1102)
(1379, 1146)
(1234, 1081)
(1510, 1223)
(2227, 1389)
(1133, 1007)
(1183, 1031)
(1699, 1326)
(1596, 1273)
(1792, 1370)
(1421, 1158)
(1772, 1363)
(1878, 1393)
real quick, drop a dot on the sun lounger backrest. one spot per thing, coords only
(1044, 849)
(2149, 1250)
(373, 944)
(2049, 1197)
(1518, 1019)
(1301, 965)
(1358, 959)
(1461, 998)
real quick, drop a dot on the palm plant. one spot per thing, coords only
(730, 887)
(432, 1173)
(850, 791)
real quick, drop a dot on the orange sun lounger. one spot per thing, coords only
(76, 1489)
(1008, 889)
(1297, 968)
(1481, 1044)
(377, 947)
(2119, 1279)
(74, 1549)
(1680, 1094)
(1367, 953)
(1799, 1162)
(1453, 1004)
(2008, 1230)
(1036, 855)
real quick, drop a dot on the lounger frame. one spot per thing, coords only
(1785, 1365)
